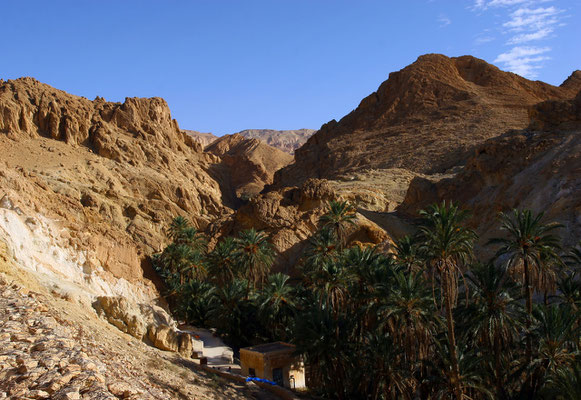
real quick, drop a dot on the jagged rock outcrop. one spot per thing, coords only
(246, 165)
(93, 184)
(539, 170)
(425, 118)
(287, 140)
(290, 216)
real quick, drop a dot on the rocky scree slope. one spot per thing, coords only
(52, 348)
(425, 118)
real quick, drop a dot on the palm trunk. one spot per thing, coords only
(529, 300)
(497, 367)
(451, 335)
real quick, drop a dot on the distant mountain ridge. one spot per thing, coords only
(286, 140)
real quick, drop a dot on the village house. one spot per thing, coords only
(275, 362)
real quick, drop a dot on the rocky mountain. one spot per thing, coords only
(425, 118)
(287, 140)
(88, 187)
(204, 138)
(537, 168)
(246, 165)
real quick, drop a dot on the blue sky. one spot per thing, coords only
(224, 66)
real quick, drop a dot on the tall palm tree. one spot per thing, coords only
(447, 246)
(492, 318)
(339, 215)
(222, 262)
(529, 246)
(323, 338)
(276, 305)
(406, 310)
(254, 254)
(556, 343)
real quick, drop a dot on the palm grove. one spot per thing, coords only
(428, 320)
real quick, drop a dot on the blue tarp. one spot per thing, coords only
(252, 378)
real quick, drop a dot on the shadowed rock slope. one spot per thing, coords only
(425, 118)
(537, 168)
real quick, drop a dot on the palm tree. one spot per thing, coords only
(222, 263)
(276, 305)
(331, 284)
(470, 379)
(339, 215)
(556, 343)
(198, 303)
(407, 311)
(383, 375)
(323, 338)
(529, 246)
(194, 267)
(447, 246)
(254, 254)
(565, 384)
(182, 232)
(323, 247)
(407, 254)
(235, 314)
(492, 318)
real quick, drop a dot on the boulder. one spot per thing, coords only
(122, 313)
(166, 338)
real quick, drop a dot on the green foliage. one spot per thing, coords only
(429, 321)
(254, 255)
(339, 215)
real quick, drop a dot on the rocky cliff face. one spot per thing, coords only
(287, 140)
(425, 118)
(536, 168)
(88, 186)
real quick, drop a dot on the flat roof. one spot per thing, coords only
(270, 347)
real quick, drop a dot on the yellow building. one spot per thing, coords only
(275, 362)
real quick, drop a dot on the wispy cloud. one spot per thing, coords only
(525, 23)
(444, 20)
(524, 60)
